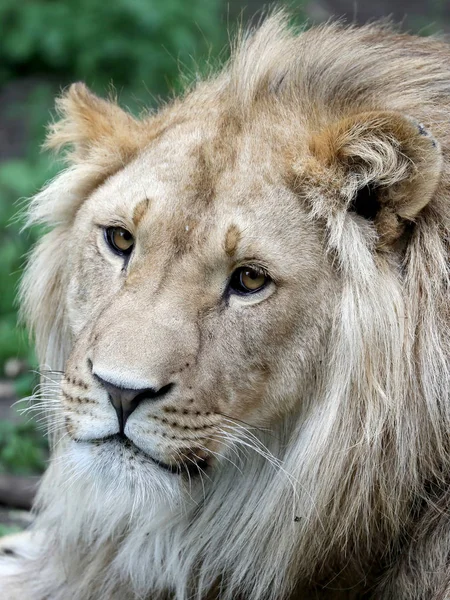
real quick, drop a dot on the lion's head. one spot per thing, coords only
(246, 293)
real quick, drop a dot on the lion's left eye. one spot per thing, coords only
(248, 280)
(119, 240)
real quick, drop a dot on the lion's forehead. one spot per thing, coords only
(186, 193)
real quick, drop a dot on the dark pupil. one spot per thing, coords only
(251, 274)
(125, 234)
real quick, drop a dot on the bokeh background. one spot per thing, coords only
(145, 49)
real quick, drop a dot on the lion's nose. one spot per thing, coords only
(125, 401)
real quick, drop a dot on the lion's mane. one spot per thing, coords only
(366, 462)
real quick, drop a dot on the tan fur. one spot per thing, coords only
(319, 403)
(140, 211)
(232, 240)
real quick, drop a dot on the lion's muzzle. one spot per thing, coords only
(125, 401)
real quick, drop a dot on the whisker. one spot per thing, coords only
(248, 426)
(220, 456)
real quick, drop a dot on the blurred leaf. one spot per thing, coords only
(9, 529)
(22, 448)
(135, 43)
(24, 384)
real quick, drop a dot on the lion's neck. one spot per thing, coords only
(245, 516)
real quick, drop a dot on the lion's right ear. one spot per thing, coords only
(93, 129)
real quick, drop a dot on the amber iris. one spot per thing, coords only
(248, 280)
(120, 240)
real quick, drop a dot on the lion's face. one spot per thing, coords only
(214, 315)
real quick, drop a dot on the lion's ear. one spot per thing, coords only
(92, 127)
(384, 166)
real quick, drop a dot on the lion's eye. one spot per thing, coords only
(247, 280)
(120, 240)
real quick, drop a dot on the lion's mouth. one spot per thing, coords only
(191, 464)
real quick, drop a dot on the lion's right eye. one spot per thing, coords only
(119, 240)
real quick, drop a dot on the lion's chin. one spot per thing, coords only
(114, 469)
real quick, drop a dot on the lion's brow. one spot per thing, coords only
(232, 238)
(140, 210)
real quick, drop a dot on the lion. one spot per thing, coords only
(242, 302)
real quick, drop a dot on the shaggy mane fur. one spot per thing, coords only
(365, 462)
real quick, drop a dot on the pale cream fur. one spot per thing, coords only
(321, 402)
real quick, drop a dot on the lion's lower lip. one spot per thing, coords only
(192, 468)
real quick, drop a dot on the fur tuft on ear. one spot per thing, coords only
(96, 129)
(100, 138)
(384, 166)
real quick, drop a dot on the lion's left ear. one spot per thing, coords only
(384, 166)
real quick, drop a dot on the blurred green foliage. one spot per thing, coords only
(8, 529)
(18, 178)
(138, 46)
(134, 43)
(22, 448)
